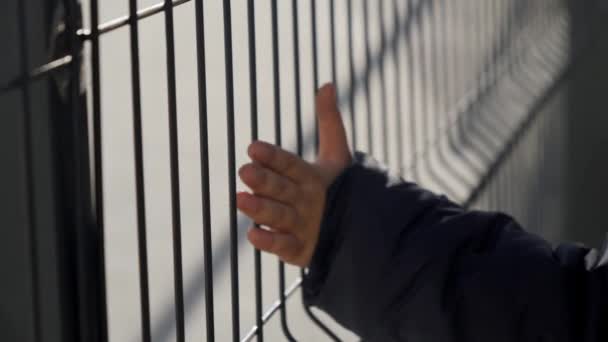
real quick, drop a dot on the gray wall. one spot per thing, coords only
(588, 134)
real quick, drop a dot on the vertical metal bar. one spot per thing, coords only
(422, 65)
(436, 71)
(234, 264)
(351, 69)
(492, 193)
(411, 94)
(500, 190)
(278, 141)
(468, 74)
(297, 78)
(473, 47)
(538, 178)
(435, 99)
(496, 24)
(509, 198)
(139, 173)
(253, 98)
(397, 57)
(204, 155)
(440, 80)
(98, 163)
(383, 106)
(493, 189)
(507, 34)
(315, 63)
(500, 13)
(458, 84)
(368, 100)
(28, 160)
(276, 75)
(448, 26)
(493, 23)
(174, 166)
(478, 51)
(511, 22)
(461, 62)
(332, 27)
(488, 62)
(536, 17)
(86, 289)
(483, 29)
(315, 72)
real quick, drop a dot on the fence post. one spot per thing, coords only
(47, 240)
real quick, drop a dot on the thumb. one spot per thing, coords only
(334, 152)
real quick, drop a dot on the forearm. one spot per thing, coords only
(396, 262)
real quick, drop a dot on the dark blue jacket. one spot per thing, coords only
(397, 263)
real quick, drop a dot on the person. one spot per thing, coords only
(394, 262)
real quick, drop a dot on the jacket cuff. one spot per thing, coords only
(330, 236)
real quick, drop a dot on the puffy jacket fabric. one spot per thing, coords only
(395, 262)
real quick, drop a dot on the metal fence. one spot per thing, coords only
(149, 108)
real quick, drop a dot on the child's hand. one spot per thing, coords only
(288, 192)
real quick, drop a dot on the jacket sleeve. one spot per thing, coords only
(395, 262)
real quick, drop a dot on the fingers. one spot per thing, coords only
(333, 143)
(265, 182)
(286, 246)
(267, 212)
(282, 162)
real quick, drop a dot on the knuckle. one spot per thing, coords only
(272, 217)
(256, 210)
(286, 252)
(292, 254)
(290, 163)
(280, 219)
(292, 219)
(285, 218)
(317, 180)
(274, 156)
(280, 188)
(261, 177)
(282, 250)
(292, 194)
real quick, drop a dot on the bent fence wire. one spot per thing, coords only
(451, 94)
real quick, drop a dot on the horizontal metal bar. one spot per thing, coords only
(36, 74)
(123, 21)
(273, 309)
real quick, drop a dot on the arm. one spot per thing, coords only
(397, 263)
(393, 262)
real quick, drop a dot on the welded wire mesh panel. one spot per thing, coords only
(450, 93)
(180, 89)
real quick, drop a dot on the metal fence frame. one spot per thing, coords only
(76, 248)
